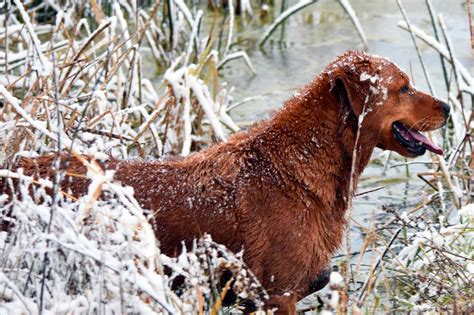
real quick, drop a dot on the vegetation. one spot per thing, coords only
(143, 79)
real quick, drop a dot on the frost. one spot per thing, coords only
(336, 279)
(44, 66)
(431, 41)
(126, 257)
(470, 268)
(374, 90)
(467, 211)
(367, 76)
(334, 300)
(422, 308)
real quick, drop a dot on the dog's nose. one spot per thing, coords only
(446, 108)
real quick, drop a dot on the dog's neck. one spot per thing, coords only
(314, 126)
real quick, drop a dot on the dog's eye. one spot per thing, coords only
(404, 89)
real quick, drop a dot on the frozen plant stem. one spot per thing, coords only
(303, 4)
(435, 30)
(284, 5)
(457, 76)
(282, 18)
(428, 80)
(171, 22)
(34, 38)
(345, 299)
(410, 30)
(449, 45)
(6, 8)
(231, 28)
(369, 280)
(345, 4)
(56, 181)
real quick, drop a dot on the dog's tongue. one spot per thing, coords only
(425, 142)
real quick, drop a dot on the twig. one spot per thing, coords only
(13, 287)
(423, 66)
(282, 18)
(13, 101)
(34, 38)
(435, 30)
(355, 21)
(377, 264)
(236, 55)
(171, 22)
(432, 42)
(75, 58)
(457, 76)
(6, 8)
(231, 28)
(370, 191)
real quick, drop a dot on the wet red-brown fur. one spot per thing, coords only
(280, 190)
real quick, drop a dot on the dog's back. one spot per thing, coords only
(280, 190)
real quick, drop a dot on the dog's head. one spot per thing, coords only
(385, 105)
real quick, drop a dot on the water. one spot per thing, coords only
(313, 38)
(317, 34)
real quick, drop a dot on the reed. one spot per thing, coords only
(82, 80)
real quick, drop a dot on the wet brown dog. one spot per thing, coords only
(280, 190)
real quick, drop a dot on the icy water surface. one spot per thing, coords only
(322, 31)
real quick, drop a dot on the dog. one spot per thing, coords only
(279, 191)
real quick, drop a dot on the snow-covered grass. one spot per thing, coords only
(81, 81)
(83, 84)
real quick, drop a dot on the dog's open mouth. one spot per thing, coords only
(414, 141)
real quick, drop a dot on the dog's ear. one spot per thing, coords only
(347, 94)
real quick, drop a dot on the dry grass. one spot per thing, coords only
(81, 81)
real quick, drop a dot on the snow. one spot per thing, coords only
(367, 76)
(334, 300)
(467, 211)
(109, 245)
(44, 67)
(40, 126)
(470, 268)
(185, 10)
(80, 247)
(336, 279)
